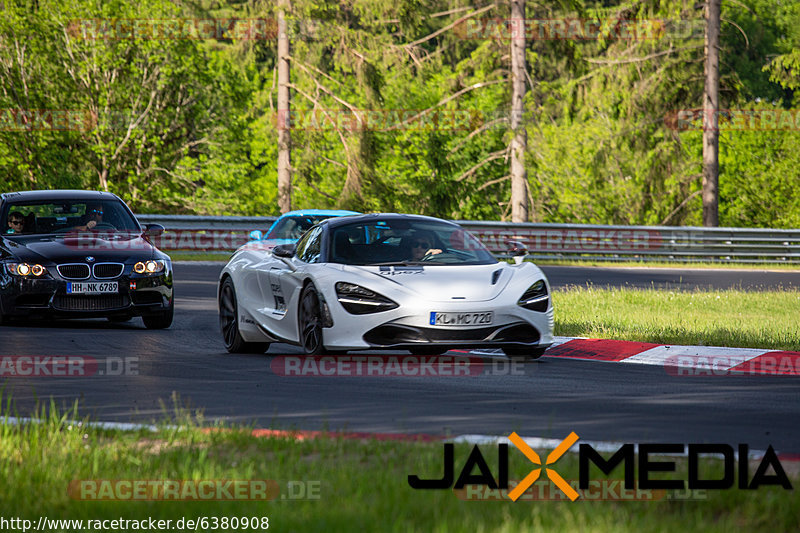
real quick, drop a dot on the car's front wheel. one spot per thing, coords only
(309, 321)
(229, 323)
(524, 353)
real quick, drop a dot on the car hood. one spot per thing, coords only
(444, 283)
(76, 248)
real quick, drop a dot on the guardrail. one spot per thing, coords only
(544, 241)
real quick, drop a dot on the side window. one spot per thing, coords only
(309, 247)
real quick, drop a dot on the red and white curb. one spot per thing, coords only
(677, 360)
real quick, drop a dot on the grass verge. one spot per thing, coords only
(199, 256)
(362, 485)
(711, 318)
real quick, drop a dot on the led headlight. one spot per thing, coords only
(149, 267)
(26, 270)
(358, 300)
(535, 298)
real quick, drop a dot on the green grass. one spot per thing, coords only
(363, 484)
(711, 318)
(199, 256)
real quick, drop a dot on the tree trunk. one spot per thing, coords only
(711, 117)
(284, 135)
(519, 143)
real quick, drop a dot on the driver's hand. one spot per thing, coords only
(91, 224)
(433, 251)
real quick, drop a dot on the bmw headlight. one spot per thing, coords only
(535, 298)
(153, 266)
(25, 270)
(358, 300)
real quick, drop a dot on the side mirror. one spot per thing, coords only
(517, 250)
(284, 250)
(256, 235)
(153, 230)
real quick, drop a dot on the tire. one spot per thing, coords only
(162, 320)
(429, 350)
(524, 354)
(309, 321)
(229, 323)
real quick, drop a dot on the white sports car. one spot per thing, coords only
(384, 281)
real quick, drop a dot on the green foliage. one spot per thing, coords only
(190, 125)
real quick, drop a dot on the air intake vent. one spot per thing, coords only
(100, 302)
(74, 271)
(108, 270)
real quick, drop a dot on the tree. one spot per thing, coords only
(284, 107)
(519, 141)
(711, 116)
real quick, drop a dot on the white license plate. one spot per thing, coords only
(462, 319)
(92, 287)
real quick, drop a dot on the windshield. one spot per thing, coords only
(64, 216)
(406, 242)
(293, 227)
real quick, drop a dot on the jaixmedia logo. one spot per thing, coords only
(637, 470)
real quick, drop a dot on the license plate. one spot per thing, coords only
(100, 287)
(462, 319)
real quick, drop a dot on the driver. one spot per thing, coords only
(94, 216)
(422, 245)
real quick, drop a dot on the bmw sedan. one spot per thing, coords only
(81, 254)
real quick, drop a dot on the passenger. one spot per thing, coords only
(15, 223)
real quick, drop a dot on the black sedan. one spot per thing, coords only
(80, 254)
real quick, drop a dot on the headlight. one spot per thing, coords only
(150, 267)
(535, 298)
(25, 270)
(358, 300)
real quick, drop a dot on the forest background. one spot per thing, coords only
(402, 105)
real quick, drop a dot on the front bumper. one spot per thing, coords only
(138, 295)
(409, 326)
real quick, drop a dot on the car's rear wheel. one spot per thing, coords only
(524, 353)
(162, 320)
(309, 321)
(229, 323)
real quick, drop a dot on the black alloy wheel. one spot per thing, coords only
(310, 321)
(229, 323)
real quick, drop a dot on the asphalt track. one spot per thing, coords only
(187, 365)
